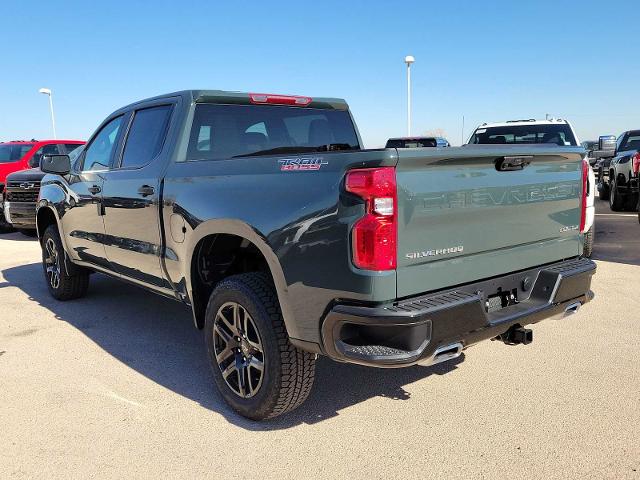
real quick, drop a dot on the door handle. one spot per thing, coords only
(146, 190)
(94, 190)
(506, 164)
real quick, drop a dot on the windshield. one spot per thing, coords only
(411, 142)
(227, 131)
(588, 145)
(14, 152)
(559, 134)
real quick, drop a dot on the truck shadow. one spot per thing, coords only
(155, 336)
(17, 237)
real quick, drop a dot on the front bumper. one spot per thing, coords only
(419, 329)
(20, 214)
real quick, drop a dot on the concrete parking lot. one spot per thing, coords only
(116, 385)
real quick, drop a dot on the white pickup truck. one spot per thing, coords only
(531, 131)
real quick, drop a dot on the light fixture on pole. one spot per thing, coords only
(47, 91)
(409, 60)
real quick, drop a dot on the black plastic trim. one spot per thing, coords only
(457, 315)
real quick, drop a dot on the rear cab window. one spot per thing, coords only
(228, 131)
(559, 134)
(411, 142)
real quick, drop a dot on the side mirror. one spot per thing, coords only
(58, 164)
(607, 146)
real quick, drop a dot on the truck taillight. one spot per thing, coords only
(636, 163)
(374, 236)
(585, 194)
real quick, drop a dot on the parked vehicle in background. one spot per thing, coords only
(288, 239)
(20, 155)
(553, 132)
(619, 173)
(591, 147)
(22, 190)
(417, 142)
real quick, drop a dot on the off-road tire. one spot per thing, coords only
(288, 372)
(588, 242)
(616, 201)
(68, 287)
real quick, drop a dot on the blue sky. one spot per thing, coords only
(488, 61)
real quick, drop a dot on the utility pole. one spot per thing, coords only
(409, 60)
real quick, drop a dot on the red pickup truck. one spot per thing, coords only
(20, 155)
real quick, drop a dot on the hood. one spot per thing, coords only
(30, 175)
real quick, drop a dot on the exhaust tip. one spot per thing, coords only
(573, 308)
(444, 354)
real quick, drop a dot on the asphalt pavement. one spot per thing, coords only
(116, 385)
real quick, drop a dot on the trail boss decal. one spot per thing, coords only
(302, 164)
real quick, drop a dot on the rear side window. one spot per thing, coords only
(146, 136)
(559, 134)
(228, 131)
(13, 153)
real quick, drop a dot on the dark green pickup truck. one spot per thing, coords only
(287, 239)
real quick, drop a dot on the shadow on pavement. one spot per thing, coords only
(617, 236)
(155, 336)
(17, 237)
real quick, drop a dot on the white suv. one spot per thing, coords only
(553, 131)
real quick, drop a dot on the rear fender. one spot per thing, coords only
(243, 230)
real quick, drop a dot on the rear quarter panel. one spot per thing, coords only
(300, 220)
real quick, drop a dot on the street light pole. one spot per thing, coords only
(409, 60)
(47, 91)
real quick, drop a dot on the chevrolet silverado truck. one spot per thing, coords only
(287, 239)
(620, 173)
(15, 157)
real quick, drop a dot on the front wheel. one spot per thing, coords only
(616, 201)
(61, 285)
(258, 372)
(5, 227)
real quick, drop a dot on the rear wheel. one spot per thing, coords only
(616, 201)
(259, 373)
(588, 242)
(61, 285)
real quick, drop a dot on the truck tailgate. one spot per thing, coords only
(461, 218)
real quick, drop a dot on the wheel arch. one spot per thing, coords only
(250, 239)
(45, 216)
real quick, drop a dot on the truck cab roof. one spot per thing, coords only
(248, 98)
